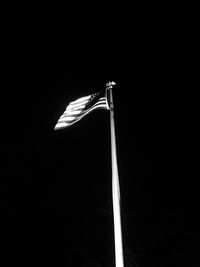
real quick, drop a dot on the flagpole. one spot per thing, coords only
(119, 262)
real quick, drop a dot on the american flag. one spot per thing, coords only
(79, 108)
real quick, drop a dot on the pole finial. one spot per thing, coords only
(109, 85)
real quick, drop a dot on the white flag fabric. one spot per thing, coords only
(79, 108)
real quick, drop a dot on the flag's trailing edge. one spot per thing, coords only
(79, 108)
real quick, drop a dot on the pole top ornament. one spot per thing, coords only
(109, 85)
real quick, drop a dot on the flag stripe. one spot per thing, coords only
(82, 103)
(73, 112)
(85, 98)
(67, 118)
(75, 108)
(79, 108)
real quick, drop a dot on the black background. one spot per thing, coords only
(56, 206)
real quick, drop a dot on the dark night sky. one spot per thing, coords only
(55, 187)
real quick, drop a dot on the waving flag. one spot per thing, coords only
(79, 108)
(75, 111)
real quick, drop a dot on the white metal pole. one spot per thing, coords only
(119, 262)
